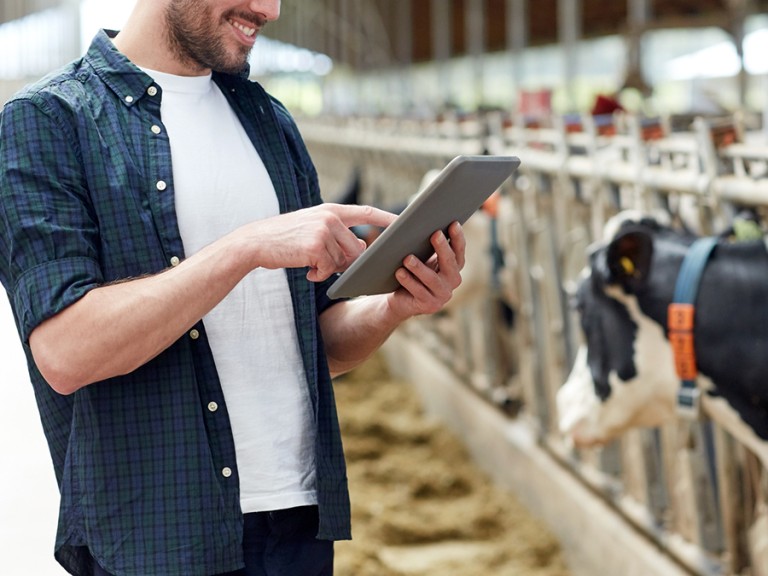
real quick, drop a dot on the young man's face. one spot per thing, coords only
(216, 34)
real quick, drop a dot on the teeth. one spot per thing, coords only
(244, 29)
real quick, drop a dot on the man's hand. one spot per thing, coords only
(354, 329)
(317, 237)
(428, 286)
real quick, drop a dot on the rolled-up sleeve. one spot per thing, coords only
(49, 247)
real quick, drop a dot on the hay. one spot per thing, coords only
(420, 507)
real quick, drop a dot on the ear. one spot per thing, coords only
(628, 259)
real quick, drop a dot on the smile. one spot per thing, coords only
(248, 31)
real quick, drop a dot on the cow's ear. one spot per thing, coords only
(629, 259)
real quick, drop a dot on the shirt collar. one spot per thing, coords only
(122, 76)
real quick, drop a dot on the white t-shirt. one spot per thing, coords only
(221, 183)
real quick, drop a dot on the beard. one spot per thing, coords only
(194, 37)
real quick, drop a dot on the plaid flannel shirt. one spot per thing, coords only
(87, 198)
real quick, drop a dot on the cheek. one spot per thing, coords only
(636, 403)
(576, 400)
(657, 382)
(588, 420)
(645, 397)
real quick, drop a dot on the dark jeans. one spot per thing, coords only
(280, 543)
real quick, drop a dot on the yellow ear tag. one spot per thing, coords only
(628, 265)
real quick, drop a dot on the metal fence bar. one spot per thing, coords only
(692, 487)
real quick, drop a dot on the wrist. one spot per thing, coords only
(245, 249)
(394, 312)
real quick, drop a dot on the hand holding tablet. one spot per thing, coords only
(460, 189)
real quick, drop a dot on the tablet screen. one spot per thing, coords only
(460, 189)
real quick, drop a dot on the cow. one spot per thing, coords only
(624, 373)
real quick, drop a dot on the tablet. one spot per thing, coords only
(455, 194)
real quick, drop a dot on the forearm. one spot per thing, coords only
(117, 328)
(355, 329)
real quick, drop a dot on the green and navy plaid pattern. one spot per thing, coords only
(87, 198)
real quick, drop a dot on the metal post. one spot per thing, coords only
(569, 14)
(343, 32)
(441, 45)
(639, 13)
(405, 50)
(475, 19)
(739, 10)
(517, 37)
(74, 31)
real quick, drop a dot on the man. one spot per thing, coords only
(166, 254)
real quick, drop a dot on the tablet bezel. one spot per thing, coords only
(455, 194)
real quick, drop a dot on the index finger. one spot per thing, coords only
(354, 215)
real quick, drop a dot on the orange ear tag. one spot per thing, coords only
(680, 325)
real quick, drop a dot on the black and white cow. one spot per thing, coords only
(624, 374)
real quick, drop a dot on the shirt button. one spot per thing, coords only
(129, 99)
(156, 129)
(212, 407)
(194, 334)
(175, 261)
(152, 91)
(161, 185)
(226, 472)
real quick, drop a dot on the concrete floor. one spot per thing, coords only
(29, 498)
(595, 538)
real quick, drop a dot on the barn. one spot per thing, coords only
(640, 129)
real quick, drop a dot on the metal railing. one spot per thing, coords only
(689, 486)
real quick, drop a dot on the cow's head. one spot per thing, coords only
(624, 374)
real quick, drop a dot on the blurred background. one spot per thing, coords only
(422, 56)
(655, 105)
